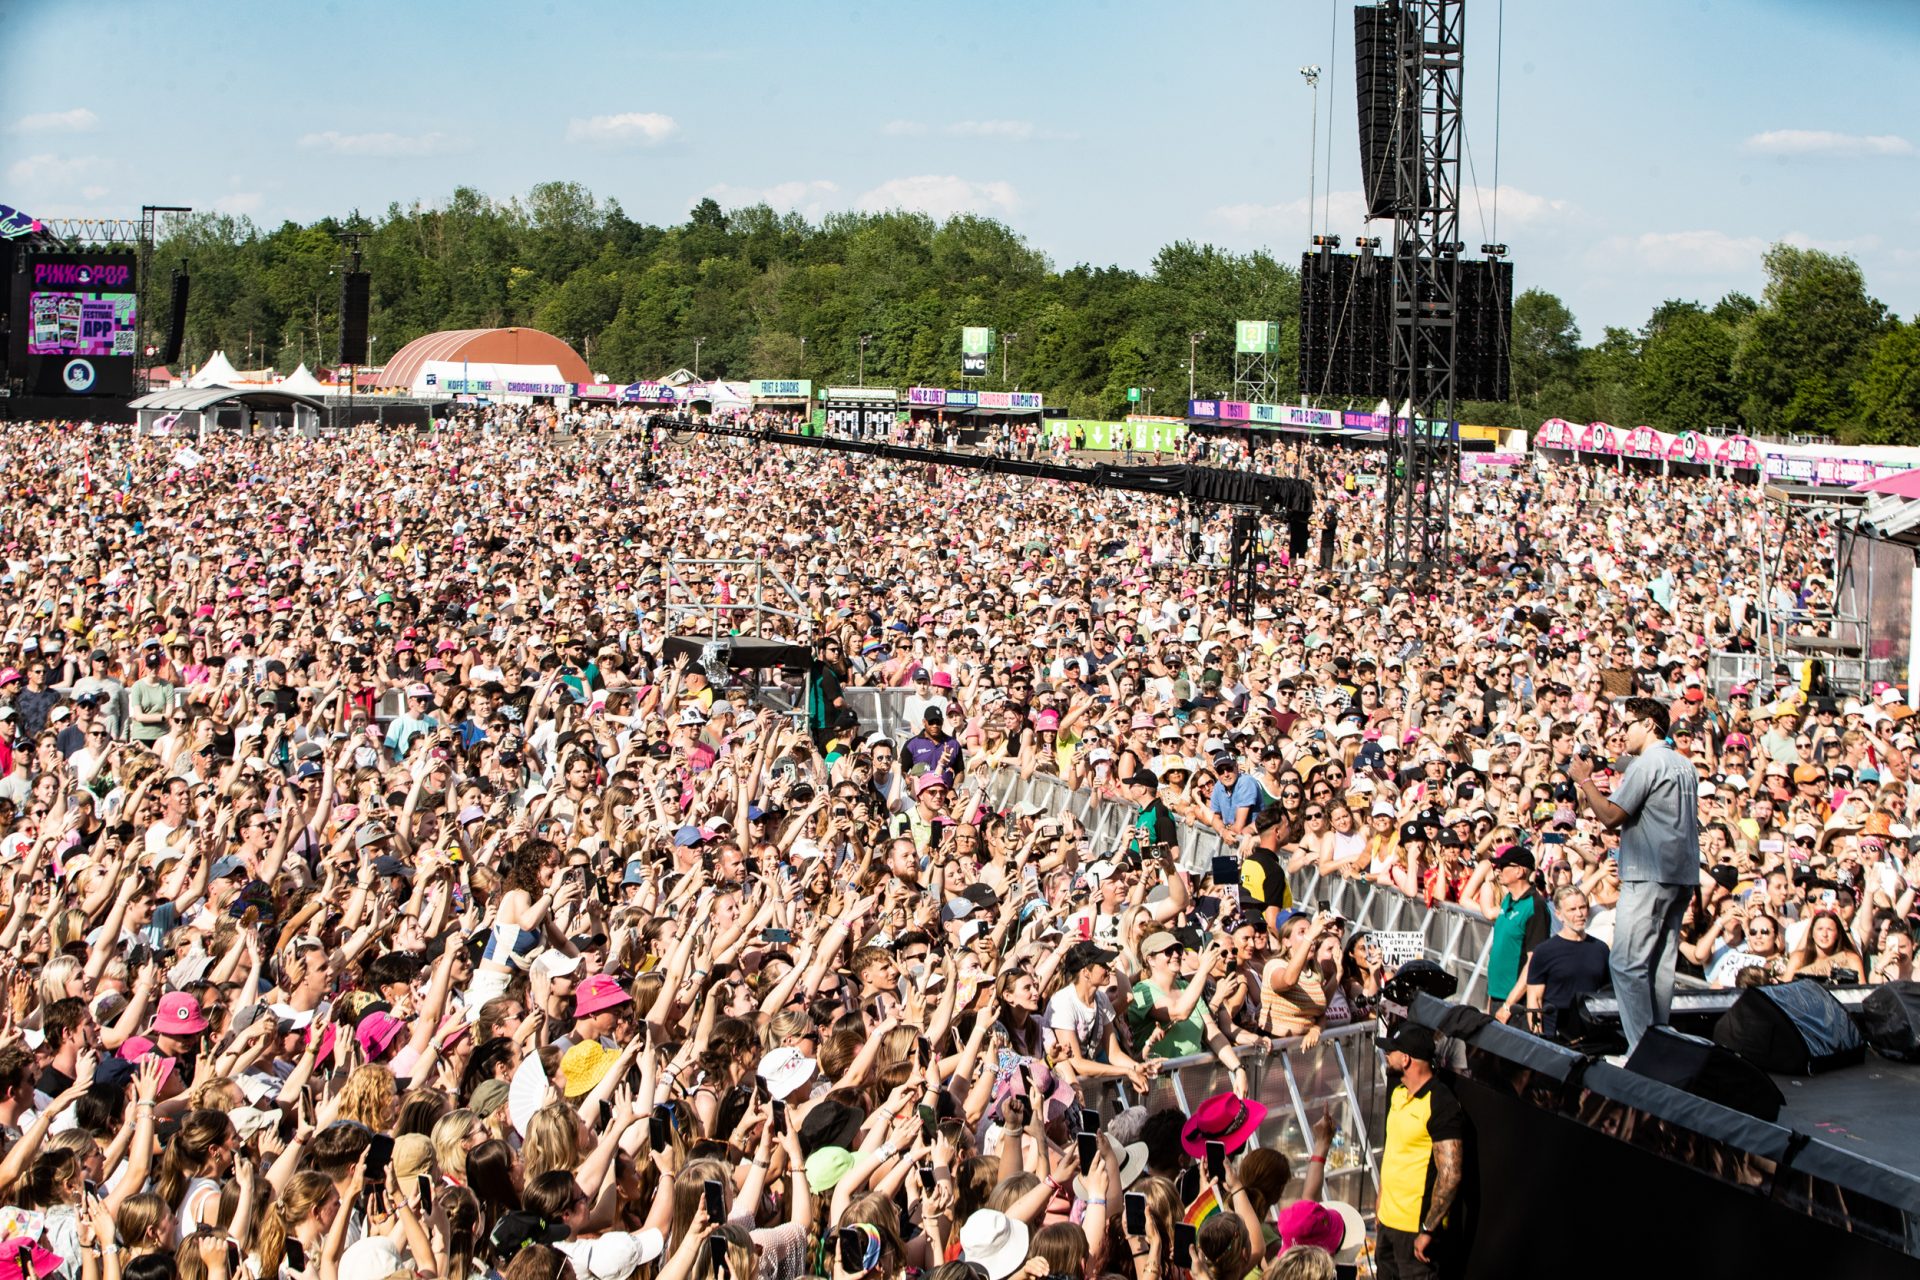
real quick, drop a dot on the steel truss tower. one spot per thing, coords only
(1425, 460)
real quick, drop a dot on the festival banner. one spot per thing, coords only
(781, 388)
(1738, 452)
(1645, 442)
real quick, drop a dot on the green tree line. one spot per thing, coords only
(775, 295)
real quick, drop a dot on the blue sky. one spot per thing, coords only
(1648, 148)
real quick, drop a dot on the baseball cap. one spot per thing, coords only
(1514, 855)
(1083, 955)
(601, 991)
(1411, 1039)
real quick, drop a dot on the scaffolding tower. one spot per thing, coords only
(1424, 469)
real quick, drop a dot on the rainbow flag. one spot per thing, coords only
(1203, 1207)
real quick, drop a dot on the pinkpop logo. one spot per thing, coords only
(82, 275)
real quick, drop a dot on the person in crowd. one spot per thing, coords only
(1561, 969)
(382, 893)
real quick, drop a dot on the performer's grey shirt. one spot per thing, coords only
(1660, 840)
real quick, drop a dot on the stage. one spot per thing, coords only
(1578, 1168)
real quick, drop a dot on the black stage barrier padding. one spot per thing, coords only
(1548, 1196)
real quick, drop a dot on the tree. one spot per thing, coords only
(1685, 377)
(1801, 352)
(1887, 393)
(1608, 374)
(1545, 344)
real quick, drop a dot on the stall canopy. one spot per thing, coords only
(1601, 438)
(1738, 452)
(1690, 447)
(1646, 442)
(719, 395)
(1556, 433)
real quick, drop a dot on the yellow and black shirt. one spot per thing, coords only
(1415, 1121)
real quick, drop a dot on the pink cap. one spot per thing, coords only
(941, 680)
(376, 1033)
(601, 991)
(1311, 1223)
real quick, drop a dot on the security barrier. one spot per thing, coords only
(1458, 939)
(1342, 1076)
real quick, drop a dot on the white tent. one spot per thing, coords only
(724, 397)
(218, 371)
(300, 380)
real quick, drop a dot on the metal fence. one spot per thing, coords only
(1342, 1076)
(1456, 938)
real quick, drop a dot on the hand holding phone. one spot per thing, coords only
(1183, 1239)
(1136, 1214)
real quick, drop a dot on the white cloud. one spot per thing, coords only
(77, 120)
(1016, 130)
(1822, 142)
(809, 198)
(628, 129)
(239, 202)
(51, 173)
(1709, 253)
(940, 196)
(380, 145)
(903, 128)
(1517, 207)
(1682, 253)
(94, 192)
(1345, 213)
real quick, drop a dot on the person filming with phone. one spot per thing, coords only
(1655, 805)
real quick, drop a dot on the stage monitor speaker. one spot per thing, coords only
(176, 321)
(1794, 1029)
(1890, 1017)
(355, 290)
(1704, 1069)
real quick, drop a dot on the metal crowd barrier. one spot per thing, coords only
(1456, 938)
(1342, 1075)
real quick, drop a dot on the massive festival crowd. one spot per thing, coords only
(378, 896)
